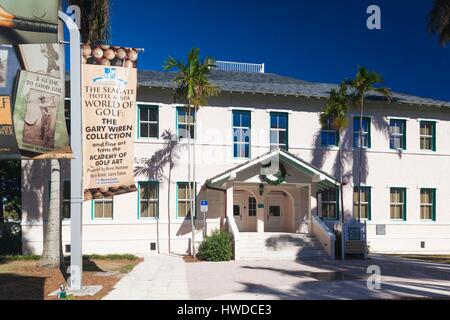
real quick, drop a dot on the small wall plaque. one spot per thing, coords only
(381, 229)
(261, 206)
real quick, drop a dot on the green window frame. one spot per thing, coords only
(366, 202)
(329, 137)
(242, 131)
(398, 204)
(182, 123)
(330, 204)
(183, 210)
(397, 134)
(100, 208)
(279, 130)
(148, 121)
(428, 204)
(428, 135)
(148, 200)
(366, 132)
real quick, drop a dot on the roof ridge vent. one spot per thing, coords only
(240, 67)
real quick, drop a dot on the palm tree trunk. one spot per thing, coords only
(168, 206)
(190, 186)
(341, 178)
(360, 156)
(51, 256)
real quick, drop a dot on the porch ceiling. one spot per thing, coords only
(321, 179)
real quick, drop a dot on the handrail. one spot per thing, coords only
(325, 227)
(233, 228)
(324, 234)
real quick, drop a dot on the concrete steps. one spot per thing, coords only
(280, 246)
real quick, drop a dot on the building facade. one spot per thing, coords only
(258, 120)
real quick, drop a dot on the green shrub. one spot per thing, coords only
(129, 257)
(217, 247)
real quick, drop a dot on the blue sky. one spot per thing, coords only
(321, 41)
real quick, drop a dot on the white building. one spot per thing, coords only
(254, 119)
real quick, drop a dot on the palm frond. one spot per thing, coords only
(439, 20)
(95, 20)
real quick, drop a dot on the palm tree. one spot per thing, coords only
(439, 21)
(193, 89)
(362, 85)
(335, 116)
(95, 28)
(95, 20)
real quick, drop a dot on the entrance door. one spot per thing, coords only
(238, 212)
(274, 215)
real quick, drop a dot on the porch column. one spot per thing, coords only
(309, 208)
(260, 212)
(230, 202)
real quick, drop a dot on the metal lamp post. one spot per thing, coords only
(76, 184)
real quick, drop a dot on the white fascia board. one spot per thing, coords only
(429, 120)
(241, 109)
(279, 111)
(397, 118)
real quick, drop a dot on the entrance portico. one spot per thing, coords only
(272, 193)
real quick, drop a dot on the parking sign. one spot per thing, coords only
(204, 206)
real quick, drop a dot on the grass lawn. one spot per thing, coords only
(22, 279)
(429, 258)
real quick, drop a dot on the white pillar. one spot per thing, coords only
(309, 208)
(230, 203)
(260, 215)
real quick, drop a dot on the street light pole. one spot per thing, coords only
(76, 184)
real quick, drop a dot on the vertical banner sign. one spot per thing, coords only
(109, 115)
(8, 143)
(39, 114)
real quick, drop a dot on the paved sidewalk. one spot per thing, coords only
(167, 277)
(159, 277)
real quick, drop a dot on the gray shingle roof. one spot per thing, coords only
(268, 83)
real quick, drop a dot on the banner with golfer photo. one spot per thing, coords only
(39, 120)
(109, 115)
(29, 21)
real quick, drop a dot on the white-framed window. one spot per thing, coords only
(398, 204)
(185, 123)
(428, 135)
(183, 205)
(279, 124)
(397, 131)
(103, 208)
(330, 204)
(428, 204)
(365, 202)
(365, 132)
(148, 199)
(241, 134)
(148, 121)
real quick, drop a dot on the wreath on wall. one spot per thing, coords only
(275, 179)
